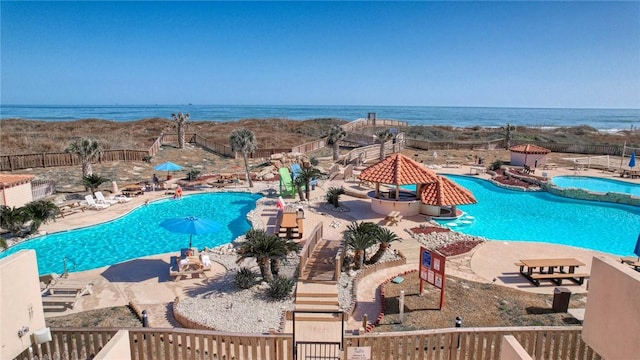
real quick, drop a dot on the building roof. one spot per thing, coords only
(445, 192)
(7, 181)
(529, 149)
(398, 169)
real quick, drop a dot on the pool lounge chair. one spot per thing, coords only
(286, 184)
(92, 204)
(100, 199)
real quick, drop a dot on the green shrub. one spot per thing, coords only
(193, 174)
(496, 165)
(245, 278)
(333, 196)
(314, 161)
(280, 288)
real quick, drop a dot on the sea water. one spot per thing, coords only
(602, 119)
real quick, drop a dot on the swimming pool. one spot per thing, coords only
(503, 214)
(596, 184)
(138, 233)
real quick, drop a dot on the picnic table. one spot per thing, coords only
(551, 269)
(291, 219)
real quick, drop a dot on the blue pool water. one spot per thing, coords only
(503, 214)
(138, 234)
(596, 184)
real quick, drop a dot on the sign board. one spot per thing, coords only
(359, 353)
(432, 270)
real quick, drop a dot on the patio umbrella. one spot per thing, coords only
(637, 249)
(168, 166)
(632, 162)
(191, 225)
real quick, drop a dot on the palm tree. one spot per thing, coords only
(306, 175)
(508, 134)
(244, 140)
(262, 247)
(180, 120)
(384, 237)
(288, 246)
(93, 181)
(40, 212)
(333, 195)
(12, 219)
(299, 183)
(360, 237)
(336, 134)
(383, 136)
(88, 150)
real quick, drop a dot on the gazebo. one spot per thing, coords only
(444, 194)
(528, 154)
(397, 170)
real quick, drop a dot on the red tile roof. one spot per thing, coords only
(398, 169)
(529, 149)
(7, 181)
(445, 192)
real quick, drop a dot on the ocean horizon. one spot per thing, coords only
(601, 119)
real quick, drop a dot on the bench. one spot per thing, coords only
(557, 278)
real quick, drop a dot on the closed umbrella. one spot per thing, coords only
(632, 160)
(168, 166)
(191, 225)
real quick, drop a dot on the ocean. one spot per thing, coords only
(602, 119)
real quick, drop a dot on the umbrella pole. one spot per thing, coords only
(190, 236)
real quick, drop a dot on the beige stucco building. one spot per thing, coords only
(15, 190)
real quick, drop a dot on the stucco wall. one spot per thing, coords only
(518, 159)
(16, 196)
(117, 348)
(20, 303)
(612, 316)
(510, 349)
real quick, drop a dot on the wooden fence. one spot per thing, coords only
(575, 148)
(310, 244)
(42, 188)
(455, 145)
(540, 342)
(26, 161)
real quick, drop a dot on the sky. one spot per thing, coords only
(494, 54)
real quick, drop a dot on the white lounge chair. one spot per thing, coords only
(92, 204)
(121, 198)
(100, 199)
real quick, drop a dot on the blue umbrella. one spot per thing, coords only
(632, 162)
(637, 249)
(168, 166)
(191, 225)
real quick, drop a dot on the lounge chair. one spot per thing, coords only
(286, 184)
(393, 218)
(100, 199)
(121, 198)
(92, 204)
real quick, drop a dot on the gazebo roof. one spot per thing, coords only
(398, 169)
(445, 192)
(529, 149)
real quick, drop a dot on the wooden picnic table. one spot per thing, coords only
(551, 269)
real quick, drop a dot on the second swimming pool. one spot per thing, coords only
(503, 214)
(139, 233)
(595, 184)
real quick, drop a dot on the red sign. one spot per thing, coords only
(432, 270)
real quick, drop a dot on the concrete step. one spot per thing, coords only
(318, 307)
(312, 289)
(317, 300)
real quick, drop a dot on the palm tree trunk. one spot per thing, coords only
(300, 193)
(382, 151)
(86, 168)
(358, 259)
(246, 169)
(308, 189)
(265, 269)
(382, 247)
(275, 267)
(335, 150)
(180, 136)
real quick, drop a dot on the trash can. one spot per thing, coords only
(561, 297)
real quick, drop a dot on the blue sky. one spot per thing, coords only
(508, 54)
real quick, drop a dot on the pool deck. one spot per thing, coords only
(146, 282)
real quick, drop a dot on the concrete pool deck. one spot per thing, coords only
(145, 281)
